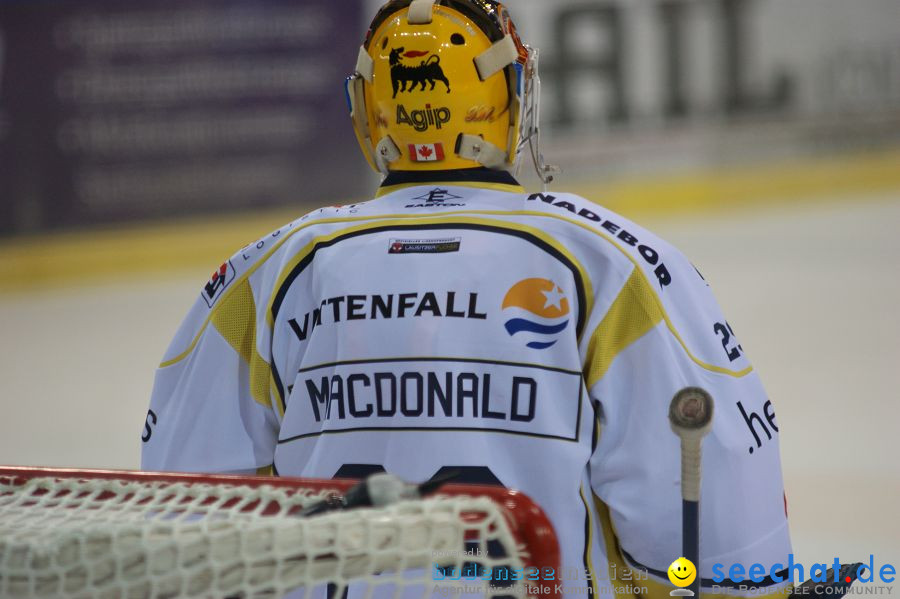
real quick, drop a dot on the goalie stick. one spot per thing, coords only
(691, 416)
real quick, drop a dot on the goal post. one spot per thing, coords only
(101, 533)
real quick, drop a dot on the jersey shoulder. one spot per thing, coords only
(273, 250)
(661, 279)
(240, 288)
(613, 234)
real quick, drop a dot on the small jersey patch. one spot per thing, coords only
(424, 246)
(220, 280)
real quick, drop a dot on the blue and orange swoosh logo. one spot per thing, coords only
(537, 308)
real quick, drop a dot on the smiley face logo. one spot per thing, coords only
(682, 572)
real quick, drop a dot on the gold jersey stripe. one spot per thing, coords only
(236, 322)
(235, 319)
(632, 315)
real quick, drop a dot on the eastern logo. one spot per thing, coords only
(422, 120)
(426, 152)
(538, 310)
(437, 195)
(405, 78)
(436, 198)
(220, 279)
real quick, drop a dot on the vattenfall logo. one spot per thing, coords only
(537, 312)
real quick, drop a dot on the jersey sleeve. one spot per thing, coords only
(211, 409)
(649, 342)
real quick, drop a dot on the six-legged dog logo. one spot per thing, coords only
(405, 78)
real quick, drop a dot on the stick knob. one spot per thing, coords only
(691, 413)
(691, 417)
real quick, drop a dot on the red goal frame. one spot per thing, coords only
(528, 522)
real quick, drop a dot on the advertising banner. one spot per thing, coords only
(113, 111)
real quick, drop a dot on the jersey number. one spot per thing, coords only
(471, 475)
(732, 350)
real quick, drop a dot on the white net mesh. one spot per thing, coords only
(120, 538)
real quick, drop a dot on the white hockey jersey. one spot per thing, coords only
(528, 340)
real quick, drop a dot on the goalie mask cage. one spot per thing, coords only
(91, 533)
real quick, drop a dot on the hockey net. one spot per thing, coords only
(79, 533)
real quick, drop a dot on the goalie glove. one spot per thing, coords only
(378, 490)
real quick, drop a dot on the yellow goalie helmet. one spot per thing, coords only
(444, 84)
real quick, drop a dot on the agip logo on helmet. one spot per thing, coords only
(425, 72)
(537, 311)
(451, 74)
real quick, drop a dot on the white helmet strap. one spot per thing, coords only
(499, 56)
(365, 66)
(385, 153)
(474, 147)
(420, 12)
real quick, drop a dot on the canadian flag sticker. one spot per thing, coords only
(426, 152)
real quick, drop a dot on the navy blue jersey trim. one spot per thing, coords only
(435, 359)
